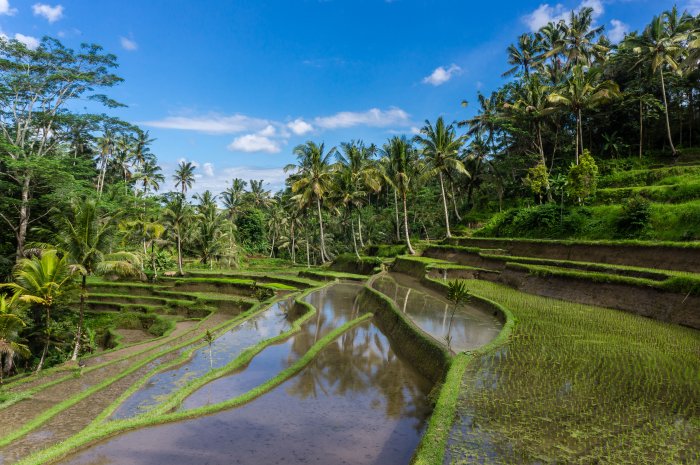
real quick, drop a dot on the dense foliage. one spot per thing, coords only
(578, 119)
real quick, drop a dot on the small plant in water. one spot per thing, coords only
(458, 294)
(209, 337)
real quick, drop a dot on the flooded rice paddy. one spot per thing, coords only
(472, 325)
(357, 402)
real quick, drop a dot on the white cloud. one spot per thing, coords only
(373, 117)
(618, 30)
(5, 8)
(299, 127)
(212, 124)
(546, 13)
(255, 143)
(128, 44)
(29, 41)
(51, 13)
(208, 169)
(693, 7)
(268, 131)
(441, 75)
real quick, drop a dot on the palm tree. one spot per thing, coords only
(533, 106)
(208, 238)
(581, 92)
(659, 46)
(177, 216)
(105, 145)
(313, 180)
(488, 120)
(440, 149)
(11, 324)
(140, 149)
(577, 41)
(362, 177)
(232, 198)
(149, 175)
(400, 156)
(258, 196)
(184, 176)
(524, 55)
(84, 234)
(45, 281)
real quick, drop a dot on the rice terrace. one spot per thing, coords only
(335, 232)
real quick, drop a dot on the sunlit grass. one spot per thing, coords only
(578, 384)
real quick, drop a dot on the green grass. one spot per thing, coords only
(578, 384)
(679, 284)
(668, 193)
(645, 177)
(325, 273)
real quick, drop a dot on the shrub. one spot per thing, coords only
(634, 217)
(583, 178)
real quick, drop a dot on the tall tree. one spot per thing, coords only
(313, 181)
(584, 90)
(524, 55)
(184, 176)
(39, 87)
(659, 47)
(85, 235)
(177, 215)
(441, 145)
(400, 156)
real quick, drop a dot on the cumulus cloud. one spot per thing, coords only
(373, 117)
(441, 75)
(5, 8)
(212, 124)
(128, 44)
(546, 13)
(618, 30)
(29, 41)
(258, 142)
(51, 13)
(299, 127)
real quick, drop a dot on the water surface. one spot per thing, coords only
(355, 403)
(471, 327)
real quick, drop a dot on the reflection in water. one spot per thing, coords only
(472, 326)
(355, 403)
(224, 349)
(335, 306)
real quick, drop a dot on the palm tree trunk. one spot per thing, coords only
(79, 334)
(668, 123)
(444, 204)
(308, 254)
(454, 201)
(48, 339)
(405, 225)
(179, 254)
(293, 251)
(579, 136)
(641, 127)
(320, 225)
(354, 240)
(359, 229)
(396, 208)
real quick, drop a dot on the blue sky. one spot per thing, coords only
(235, 85)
